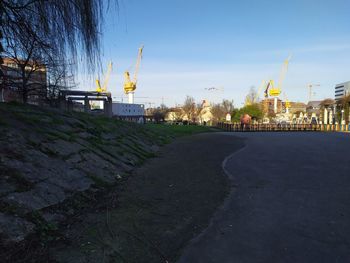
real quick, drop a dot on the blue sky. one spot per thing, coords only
(192, 45)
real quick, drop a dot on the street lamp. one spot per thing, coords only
(342, 117)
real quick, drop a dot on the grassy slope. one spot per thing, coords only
(28, 129)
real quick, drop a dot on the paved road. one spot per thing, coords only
(291, 202)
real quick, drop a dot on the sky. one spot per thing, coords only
(193, 45)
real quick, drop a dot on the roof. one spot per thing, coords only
(314, 104)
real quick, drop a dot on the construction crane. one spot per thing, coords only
(130, 85)
(103, 88)
(275, 91)
(310, 89)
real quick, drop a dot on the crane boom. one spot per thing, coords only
(137, 66)
(104, 87)
(105, 83)
(283, 72)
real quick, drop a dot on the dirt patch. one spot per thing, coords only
(152, 215)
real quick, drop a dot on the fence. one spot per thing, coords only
(237, 127)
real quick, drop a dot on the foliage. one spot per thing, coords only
(253, 110)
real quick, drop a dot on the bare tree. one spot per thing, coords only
(218, 112)
(58, 78)
(189, 108)
(252, 96)
(228, 106)
(31, 59)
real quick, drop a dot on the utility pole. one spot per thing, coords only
(310, 89)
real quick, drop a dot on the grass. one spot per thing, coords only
(177, 130)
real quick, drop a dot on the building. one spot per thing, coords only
(267, 106)
(296, 107)
(342, 90)
(174, 115)
(129, 111)
(11, 81)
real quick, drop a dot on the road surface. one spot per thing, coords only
(291, 202)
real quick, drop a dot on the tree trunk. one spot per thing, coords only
(24, 86)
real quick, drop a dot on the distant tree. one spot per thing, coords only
(218, 112)
(160, 113)
(327, 102)
(198, 112)
(189, 108)
(252, 96)
(253, 110)
(228, 106)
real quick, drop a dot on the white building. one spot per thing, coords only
(128, 109)
(342, 90)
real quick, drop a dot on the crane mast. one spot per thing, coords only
(275, 91)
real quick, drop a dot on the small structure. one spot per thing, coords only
(67, 98)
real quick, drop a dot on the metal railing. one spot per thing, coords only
(237, 127)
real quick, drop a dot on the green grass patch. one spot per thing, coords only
(177, 130)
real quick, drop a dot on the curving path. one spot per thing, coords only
(291, 202)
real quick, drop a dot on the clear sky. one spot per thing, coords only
(191, 45)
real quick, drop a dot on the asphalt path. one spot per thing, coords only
(290, 202)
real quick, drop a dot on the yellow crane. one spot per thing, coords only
(130, 85)
(103, 88)
(276, 91)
